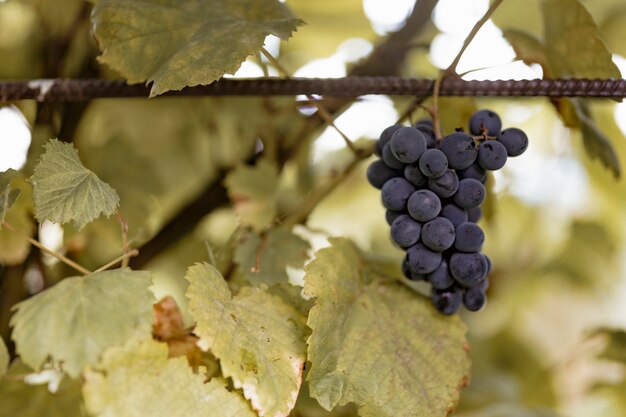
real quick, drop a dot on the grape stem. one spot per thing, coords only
(125, 248)
(47, 250)
(122, 258)
(322, 111)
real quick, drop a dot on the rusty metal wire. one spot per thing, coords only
(74, 90)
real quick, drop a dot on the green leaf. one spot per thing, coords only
(4, 357)
(64, 190)
(573, 44)
(253, 192)
(17, 398)
(528, 48)
(14, 246)
(264, 259)
(139, 380)
(378, 344)
(256, 336)
(615, 349)
(74, 321)
(179, 43)
(7, 195)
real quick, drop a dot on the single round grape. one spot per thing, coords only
(489, 266)
(485, 119)
(422, 260)
(407, 144)
(468, 269)
(446, 185)
(474, 214)
(469, 237)
(395, 193)
(433, 163)
(414, 175)
(390, 160)
(471, 193)
(428, 132)
(378, 173)
(454, 213)
(424, 205)
(473, 171)
(425, 121)
(405, 231)
(474, 299)
(391, 215)
(491, 155)
(438, 234)
(514, 140)
(384, 138)
(460, 149)
(440, 278)
(447, 301)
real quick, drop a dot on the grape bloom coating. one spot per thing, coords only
(433, 191)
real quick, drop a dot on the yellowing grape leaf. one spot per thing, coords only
(573, 44)
(17, 398)
(4, 357)
(138, 380)
(7, 195)
(264, 259)
(253, 192)
(378, 344)
(64, 190)
(527, 48)
(179, 43)
(256, 336)
(74, 321)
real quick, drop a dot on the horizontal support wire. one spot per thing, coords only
(76, 90)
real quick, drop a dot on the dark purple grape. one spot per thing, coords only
(378, 173)
(407, 144)
(406, 271)
(491, 155)
(469, 237)
(474, 299)
(414, 175)
(438, 234)
(489, 266)
(422, 260)
(428, 132)
(440, 278)
(424, 205)
(391, 215)
(447, 301)
(395, 193)
(471, 193)
(454, 213)
(460, 149)
(433, 163)
(384, 138)
(405, 231)
(446, 185)
(514, 140)
(390, 160)
(474, 214)
(485, 119)
(473, 171)
(468, 269)
(426, 122)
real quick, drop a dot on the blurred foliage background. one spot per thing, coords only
(551, 341)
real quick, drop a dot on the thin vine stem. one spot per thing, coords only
(120, 258)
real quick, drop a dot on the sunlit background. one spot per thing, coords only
(549, 176)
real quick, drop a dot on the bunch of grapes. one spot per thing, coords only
(433, 190)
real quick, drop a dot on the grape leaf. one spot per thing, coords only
(256, 336)
(179, 43)
(264, 259)
(64, 190)
(7, 195)
(377, 344)
(14, 246)
(4, 357)
(253, 192)
(74, 321)
(139, 380)
(573, 44)
(528, 48)
(18, 398)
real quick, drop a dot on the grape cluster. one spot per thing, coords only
(433, 191)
